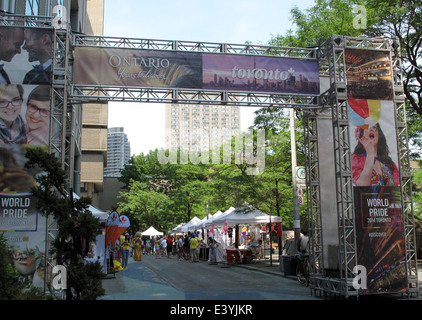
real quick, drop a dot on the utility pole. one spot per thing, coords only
(296, 217)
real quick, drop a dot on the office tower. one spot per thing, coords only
(200, 127)
(118, 151)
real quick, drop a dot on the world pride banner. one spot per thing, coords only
(376, 179)
(192, 70)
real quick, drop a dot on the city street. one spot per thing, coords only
(171, 279)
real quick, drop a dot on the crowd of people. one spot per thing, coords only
(185, 247)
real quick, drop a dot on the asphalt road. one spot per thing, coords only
(171, 279)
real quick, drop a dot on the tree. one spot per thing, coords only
(145, 207)
(402, 20)
(318, 23)
(74, 220)
(396, 19)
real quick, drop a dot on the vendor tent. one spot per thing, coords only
(186, 227)
(245, 215)
(219, 214)
(151, 231)
(177, 229)
(103, 216)
(199, 224)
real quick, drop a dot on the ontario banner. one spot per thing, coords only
(191, 70)
(376, 178)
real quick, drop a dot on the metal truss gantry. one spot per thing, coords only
(92, 94)
(66, 123)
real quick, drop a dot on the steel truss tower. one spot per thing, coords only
(332, 65)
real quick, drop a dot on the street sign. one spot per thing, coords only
(300, 176)
(300, 173)
(300, 200)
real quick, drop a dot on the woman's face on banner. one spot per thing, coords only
(37, 114)
(371, 134)
(11, 104)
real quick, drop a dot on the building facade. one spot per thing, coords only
(94, 122)
(118, 151)
(199, 128)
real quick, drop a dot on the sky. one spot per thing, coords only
(217, 21)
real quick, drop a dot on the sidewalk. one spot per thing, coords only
(264, 265)
(274, 268)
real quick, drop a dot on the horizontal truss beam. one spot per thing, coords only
(190, 46)
(100, 94)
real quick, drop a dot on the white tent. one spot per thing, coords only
(177, 229)
(186, 227)
(245, 215)
(151, 231)
(217, 215)
(103, 216)
(199, 224)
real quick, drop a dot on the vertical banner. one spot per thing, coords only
(377, 194)
(25, 107)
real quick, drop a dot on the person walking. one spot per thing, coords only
(180, 248)
(194, 242)
(163, 246)
(124, 244)
(186, 245)
(157, 247)
(169, 246)
(137, 247)
(152, 244)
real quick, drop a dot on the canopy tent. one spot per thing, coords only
(151, 231)
(245, 215)
(103, 216)
(199, 224)
(217, 215)
(186, 227)
(177, 229)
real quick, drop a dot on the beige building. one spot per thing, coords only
(200, 127)
(94, 123)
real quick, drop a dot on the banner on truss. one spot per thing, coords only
(193, 70)
(377, 194)
(25, 112)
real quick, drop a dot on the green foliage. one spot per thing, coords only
(9, 287)
(164, 195)
(394, 19)
(318, 23)
(417, 193)
(86, 280)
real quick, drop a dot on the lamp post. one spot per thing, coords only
(296, 217)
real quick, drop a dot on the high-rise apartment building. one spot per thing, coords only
(200, 127)
(118, 151)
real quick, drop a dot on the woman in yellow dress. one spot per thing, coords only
(137, 247)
